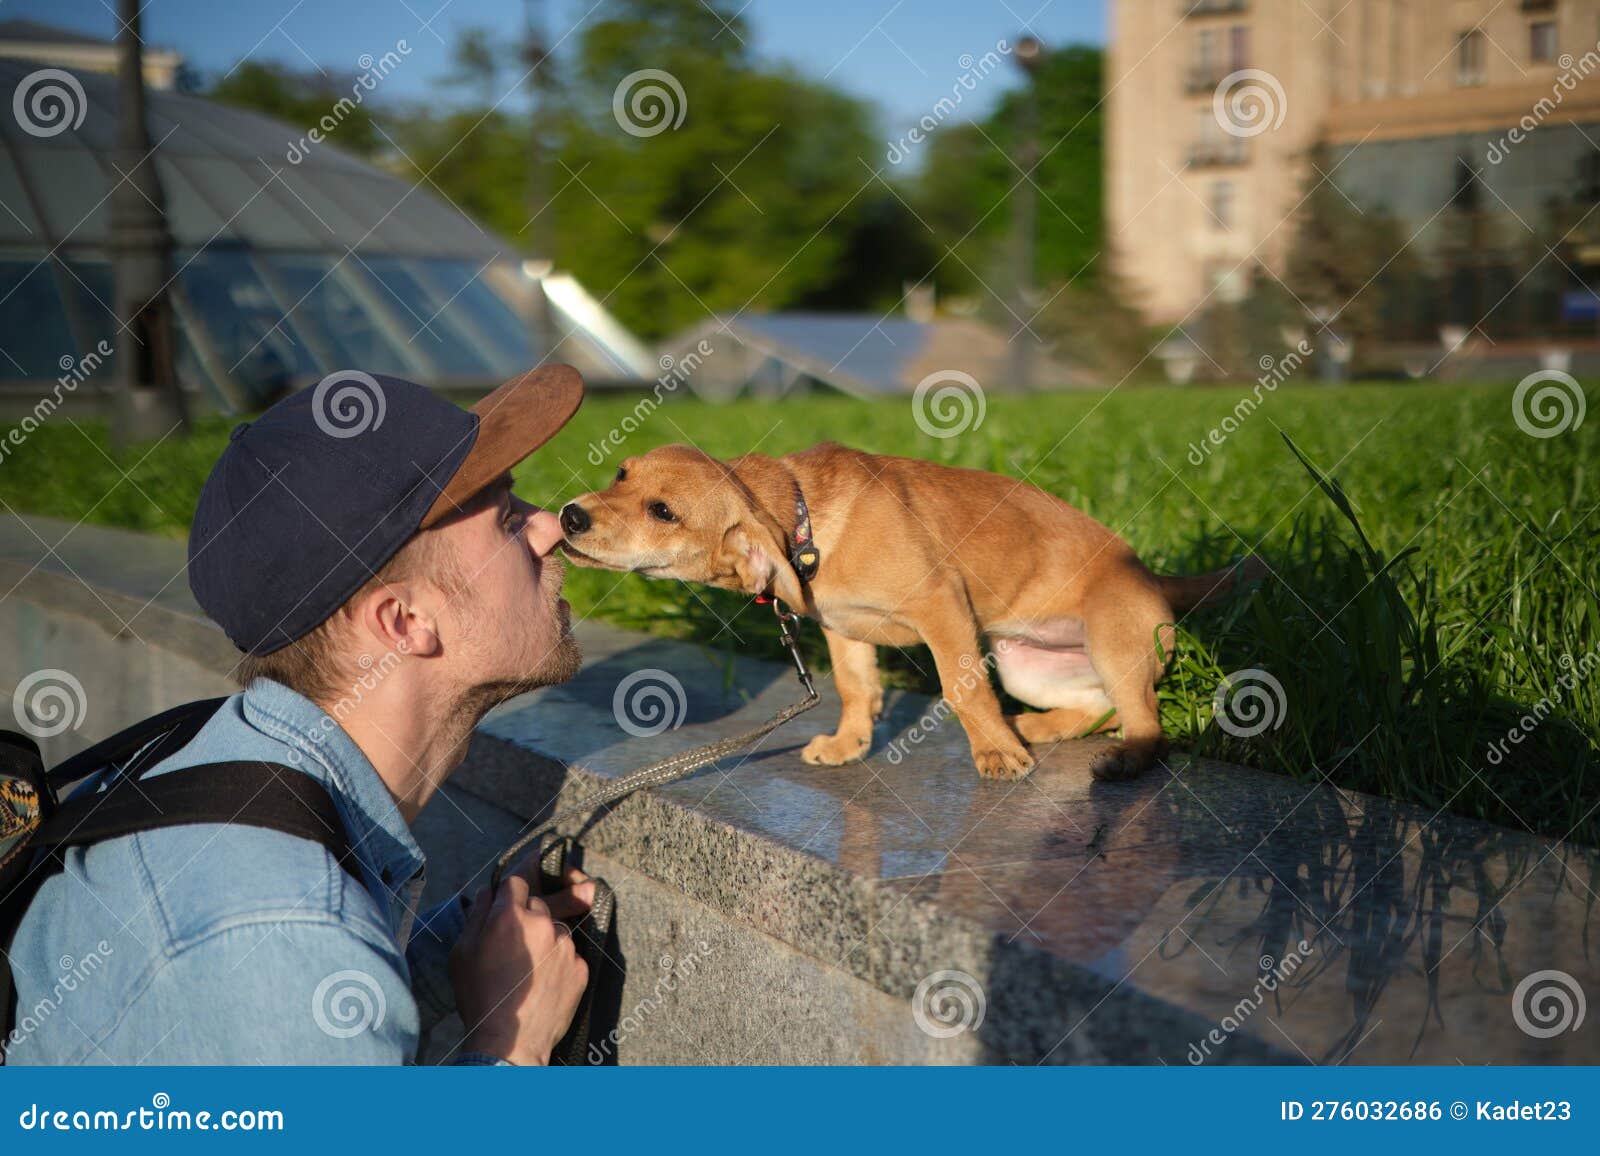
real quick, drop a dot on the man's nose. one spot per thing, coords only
(543, 530)
(574, 518)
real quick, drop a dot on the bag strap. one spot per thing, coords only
(256, 794)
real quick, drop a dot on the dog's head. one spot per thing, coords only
(676, 512)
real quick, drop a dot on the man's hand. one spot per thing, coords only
(517, 976)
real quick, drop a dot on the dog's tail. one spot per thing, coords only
(1185, 594)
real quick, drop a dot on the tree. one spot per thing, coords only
(967, 187)
(300, 99)
(1344, 262)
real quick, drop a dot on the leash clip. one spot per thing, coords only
(787, 637)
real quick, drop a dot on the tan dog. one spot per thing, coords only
(914, 552)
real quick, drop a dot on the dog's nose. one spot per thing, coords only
(574, 519)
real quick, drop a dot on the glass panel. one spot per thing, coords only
(18, 225)
(463, 285)
(257, 212)
(432, 329)
(90, 288)
(326, 309)
(72, 194)
(260, 348)
(34, 335)
(91, 301)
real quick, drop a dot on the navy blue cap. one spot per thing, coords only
(309, 501)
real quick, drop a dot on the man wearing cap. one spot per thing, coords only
(360, 544)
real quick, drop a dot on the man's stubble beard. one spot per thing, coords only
(554, 664)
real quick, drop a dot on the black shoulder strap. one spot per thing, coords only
(256, 794)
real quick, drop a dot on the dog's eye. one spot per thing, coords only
(621, 473)
(659, 511)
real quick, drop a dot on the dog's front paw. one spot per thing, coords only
(1011, 763)
(835, 750)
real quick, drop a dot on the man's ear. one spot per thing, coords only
(397, 617)
(750, 548)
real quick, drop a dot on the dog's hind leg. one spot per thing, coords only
(1061, 682)
(1066, 722)
(855, 676)
(1129, 639)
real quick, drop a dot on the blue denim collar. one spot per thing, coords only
(319, 746)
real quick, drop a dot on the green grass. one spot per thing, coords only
(1425, 598)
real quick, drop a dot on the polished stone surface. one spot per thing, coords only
(1190, 890)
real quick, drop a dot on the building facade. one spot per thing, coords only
(1472, 125)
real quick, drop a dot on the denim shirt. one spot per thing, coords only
(222, 943)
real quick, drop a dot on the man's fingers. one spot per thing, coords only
(513, 892)
(571, 877)
(478, 912)
(573, 902)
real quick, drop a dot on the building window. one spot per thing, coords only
(1217, 52)
(1542, 41)
(1221, 204)
(1469, 58)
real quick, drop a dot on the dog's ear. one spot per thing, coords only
(756, 545)
(751, 550)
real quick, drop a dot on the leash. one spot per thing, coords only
(681, 765)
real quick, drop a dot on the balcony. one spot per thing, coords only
(1221, 153)
(1538, 5)
(1198, 78)
(1211, 7)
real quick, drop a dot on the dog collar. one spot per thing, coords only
(803, 553)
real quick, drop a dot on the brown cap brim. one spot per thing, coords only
(513, 421)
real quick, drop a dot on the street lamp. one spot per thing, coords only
(1029, 55)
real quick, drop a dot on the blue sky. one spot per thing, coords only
(902, 56)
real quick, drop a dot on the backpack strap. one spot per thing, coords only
(257, 794)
